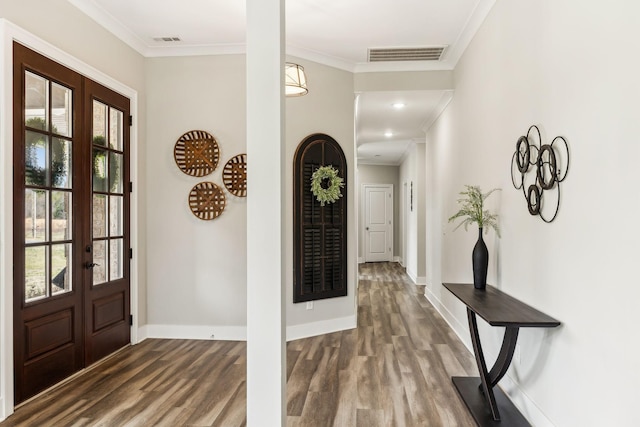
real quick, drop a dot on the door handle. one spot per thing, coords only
(367, 228)
(90, 265)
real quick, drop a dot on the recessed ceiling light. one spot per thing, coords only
(388, 134)
(398, 105)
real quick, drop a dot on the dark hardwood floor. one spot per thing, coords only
(393, 370)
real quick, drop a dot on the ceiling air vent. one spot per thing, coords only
(166, 39)
(433, 53)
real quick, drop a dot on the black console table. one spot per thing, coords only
(486, 402)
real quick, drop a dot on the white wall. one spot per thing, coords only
(376, 174)
(570, 67)
(327, 108)
(408, 174)
(54, 28)
(197, 269)
(61, 24)
(419, 191)
(197, 274)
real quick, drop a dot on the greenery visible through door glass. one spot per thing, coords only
(61, 163)
(99, 169)
(61, 268)
(36, 156)
(35, 274)
(60, 215)
(115, 177)
(35, 215)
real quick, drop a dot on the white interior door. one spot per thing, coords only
(378, 222)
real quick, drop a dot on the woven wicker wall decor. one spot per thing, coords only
(234, 175)
(196, 153)
(207, 200)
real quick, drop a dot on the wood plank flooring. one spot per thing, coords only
(393, 370)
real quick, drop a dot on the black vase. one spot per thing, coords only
(480, 258)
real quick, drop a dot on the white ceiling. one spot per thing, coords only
(376, 115)
(333, 32)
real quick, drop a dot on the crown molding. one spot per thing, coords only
(111, 24)
(469, 30)
(445, 99)
(448, 63)
(195, 50)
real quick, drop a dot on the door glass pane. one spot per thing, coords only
(115, 172)
(35, 215)
(36, 98)
(61, 108)
(99, 123)
(115, 129)
(99, 215)
(60, 215)
(36, 158)
(99, 170)
(61, 268)
(61, 163)
(99, 258)
(35, 273)
(115, 216)
(115, 259)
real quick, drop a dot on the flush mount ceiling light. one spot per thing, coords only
(388, 134)
(295, 81)
(398, 105)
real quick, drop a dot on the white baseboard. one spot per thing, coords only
(520, 399)
(239, 333)
(360, 260)
(397, 259)
(313, 329)
(3, 415)
(421, 280)
(412, 275)
(196, 332)
(459, 328)
(143, 334)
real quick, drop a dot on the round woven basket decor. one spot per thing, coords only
(196, 153)
(234, 175)
(207, 200)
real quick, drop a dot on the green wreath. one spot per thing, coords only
(326, 184)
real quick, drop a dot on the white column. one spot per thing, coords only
(266, 363)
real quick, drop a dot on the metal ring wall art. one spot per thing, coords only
(541, 168)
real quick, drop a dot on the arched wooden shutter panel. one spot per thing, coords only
(320, 232)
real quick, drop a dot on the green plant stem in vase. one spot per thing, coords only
(472, 211)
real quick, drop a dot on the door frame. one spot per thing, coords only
(404, 217)
(363, 226)
(8, 34)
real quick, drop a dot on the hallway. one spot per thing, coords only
(393, 370)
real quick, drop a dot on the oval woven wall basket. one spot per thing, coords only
(196, 153)
(234, 175)
(207, 200)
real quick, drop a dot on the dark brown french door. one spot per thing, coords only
(71, 222)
